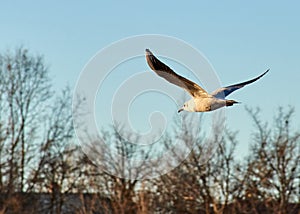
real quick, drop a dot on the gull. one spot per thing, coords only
(201, 100)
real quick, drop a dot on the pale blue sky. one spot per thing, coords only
(241, 40)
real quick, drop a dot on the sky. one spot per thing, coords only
(240, 39)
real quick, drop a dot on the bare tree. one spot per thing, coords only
(117, 174)
(24, 86)
(203, 183)
(273, 169)
(35, 132)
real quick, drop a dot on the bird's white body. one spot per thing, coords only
(203, 104)
(208, 104)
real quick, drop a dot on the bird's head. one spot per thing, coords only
(188, 106)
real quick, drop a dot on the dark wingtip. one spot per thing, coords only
(264, 73)
(147, 50)
(150, 58)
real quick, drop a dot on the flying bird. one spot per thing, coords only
(201, 100)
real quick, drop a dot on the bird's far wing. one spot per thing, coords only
(225, 91)
(167, 73)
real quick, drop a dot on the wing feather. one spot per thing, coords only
(168, 74)
(225, 91)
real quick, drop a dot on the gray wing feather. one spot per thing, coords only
(225, 91)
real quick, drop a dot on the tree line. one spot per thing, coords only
(43, 170)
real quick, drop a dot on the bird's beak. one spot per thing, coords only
(180, 110)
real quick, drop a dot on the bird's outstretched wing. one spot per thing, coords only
(167, 73)
(225, 91)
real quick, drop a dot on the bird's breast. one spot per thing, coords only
(208, 104)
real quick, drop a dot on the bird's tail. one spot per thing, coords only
(231, 102)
